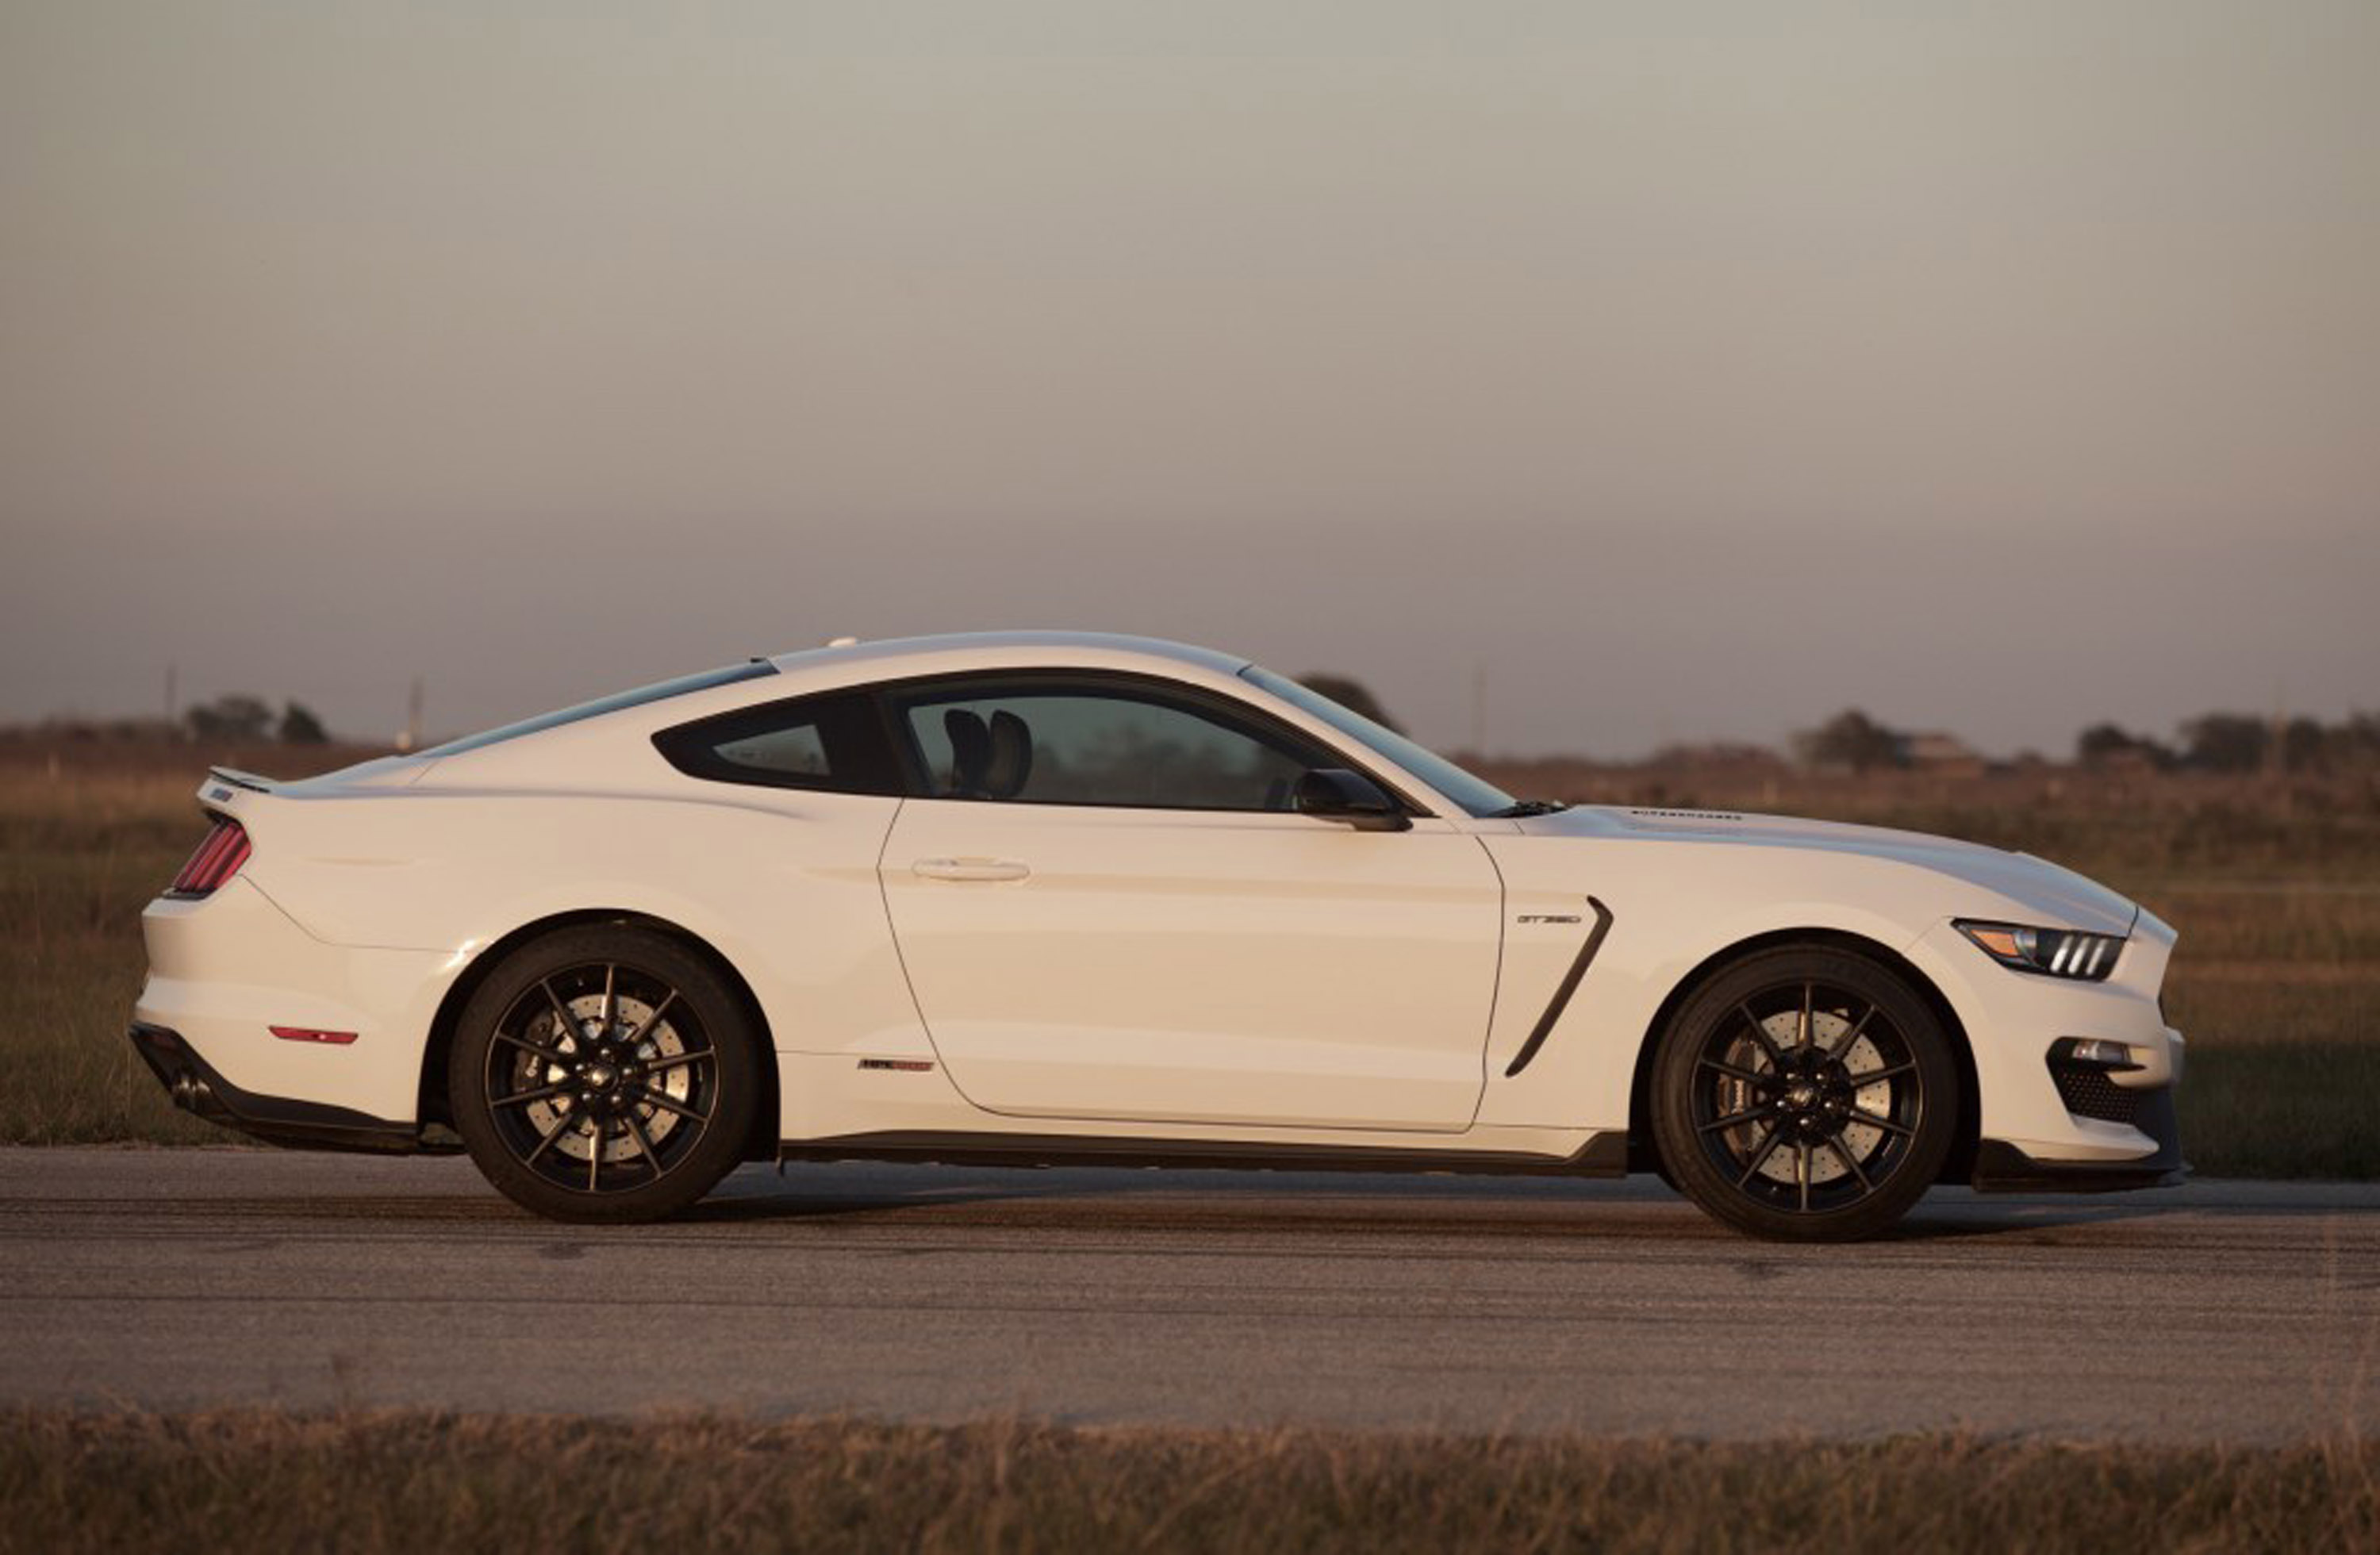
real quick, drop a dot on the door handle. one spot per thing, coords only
(969, 870)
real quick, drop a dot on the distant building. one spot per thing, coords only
(1941, 755)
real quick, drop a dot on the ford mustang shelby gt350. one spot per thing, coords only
(1034, 898)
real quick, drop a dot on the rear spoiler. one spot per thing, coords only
(228, 791)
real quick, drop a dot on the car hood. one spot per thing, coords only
(2059, 897)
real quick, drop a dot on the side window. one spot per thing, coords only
(793, 750)
(1054, 743)
(835, 742)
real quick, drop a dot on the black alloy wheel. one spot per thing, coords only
(604, 1073)
(1805, 1095)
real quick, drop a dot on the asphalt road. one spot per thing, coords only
(177, 1278)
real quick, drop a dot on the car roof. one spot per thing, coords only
(569, 735)
(1006, 649)
(579, 752)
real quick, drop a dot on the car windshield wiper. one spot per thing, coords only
(1523, 809)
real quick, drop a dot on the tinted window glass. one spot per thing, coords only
(795, 750)
(614, 703)
(1072, 744)
(835, 742)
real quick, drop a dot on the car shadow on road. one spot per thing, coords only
(1264, 1203)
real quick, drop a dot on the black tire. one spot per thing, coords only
(1805, 1095)
(604, 1073)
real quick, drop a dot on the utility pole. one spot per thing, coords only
(2277, 758)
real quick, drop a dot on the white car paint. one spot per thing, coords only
(1103, 974)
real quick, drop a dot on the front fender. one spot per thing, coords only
(1675, 905)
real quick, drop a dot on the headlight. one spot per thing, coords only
(2053, 953)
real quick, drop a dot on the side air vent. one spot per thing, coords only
(2089, 1092)
(1686, 815)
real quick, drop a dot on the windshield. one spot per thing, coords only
(602, 705)
(1476, 795)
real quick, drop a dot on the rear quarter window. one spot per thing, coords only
(835, 743)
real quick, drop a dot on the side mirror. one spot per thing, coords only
(1336, 793)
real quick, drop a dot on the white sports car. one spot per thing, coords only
(1044, 898)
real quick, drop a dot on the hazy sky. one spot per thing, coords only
(1696, 369)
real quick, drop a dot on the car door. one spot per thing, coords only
(1108, 911)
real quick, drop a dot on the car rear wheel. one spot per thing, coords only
(1805, 1095)
(604, 1073)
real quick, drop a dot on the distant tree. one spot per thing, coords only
(1350, 694)
(237, 719)
(1853, 739)
(2104, 744)
(2304, 744)
(300, 726)
(2224, 742)
(2353, 742)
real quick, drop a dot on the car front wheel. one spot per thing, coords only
(604, 1073)
(1805, 1095)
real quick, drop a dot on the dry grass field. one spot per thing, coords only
(2276, 890)
(403, 1482)
(2276, 893)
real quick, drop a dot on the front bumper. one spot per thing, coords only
(2001, 1167)
(2032, 1134)
(196, 1087)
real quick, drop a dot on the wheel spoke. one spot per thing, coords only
(1809, 998)
(610, 996)
(564, 1023)
(1861, 1080)
(676, 1060)
(1749, 1077)
(1760, 1156)
(549, 1054)
(652, 1018)
(1802, 1173)
(594, 1153)
(1874, 1122)
(562, 1125)
(522, 1099)
(1733, 1120)
(669, 1103)
(1760, 1035)
(644, 1141)
(1844, 1151)
(1841, 1052)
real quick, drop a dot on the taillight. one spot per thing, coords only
(218, 858)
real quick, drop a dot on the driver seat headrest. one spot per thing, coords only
(970, 753)
(1011, 763)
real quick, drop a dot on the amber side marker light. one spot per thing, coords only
(312, 1034)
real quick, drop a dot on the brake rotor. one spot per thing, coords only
(1827, 1163)
(623, 1080)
